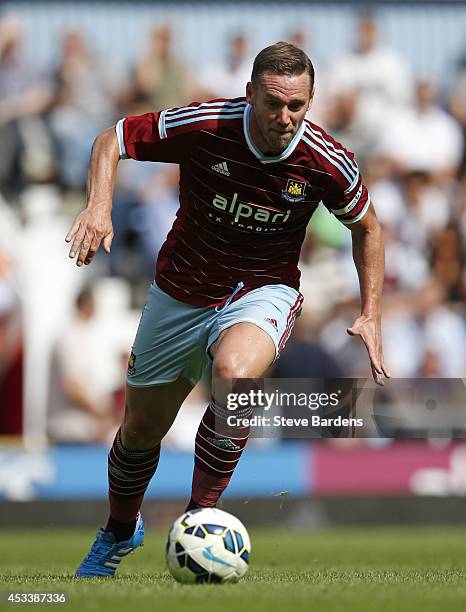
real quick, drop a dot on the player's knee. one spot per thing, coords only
(139, 432)
(229, 368)
(136, 438)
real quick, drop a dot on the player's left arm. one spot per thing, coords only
(369, 259)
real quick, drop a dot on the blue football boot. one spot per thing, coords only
(105, 555)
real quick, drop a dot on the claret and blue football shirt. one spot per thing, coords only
(242, 214)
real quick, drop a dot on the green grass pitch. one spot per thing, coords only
(338, 569)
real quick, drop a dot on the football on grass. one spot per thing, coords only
(206, 546)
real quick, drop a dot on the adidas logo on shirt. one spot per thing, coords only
(222, 168)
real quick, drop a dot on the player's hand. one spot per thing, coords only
(368, 329)
(92, 227)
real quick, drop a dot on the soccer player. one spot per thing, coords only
(226, 290)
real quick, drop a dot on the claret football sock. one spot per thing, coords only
(121, 531)
(218, 448)
(129, 474)
(192, 505)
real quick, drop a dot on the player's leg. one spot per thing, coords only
(249, 336)
(134, 456)
(132, 461)
(243, 351)
(167, 339)
(158, 381)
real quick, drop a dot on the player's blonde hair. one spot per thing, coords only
(282, 58)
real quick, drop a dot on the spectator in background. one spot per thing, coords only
(320, 102)
(82, 401)
(385, 192)
(423, 333)
(424, 138)
(430, 366)
(457, 104)
(305, 357)
(85, 103)
(406, 265)
(126, 257)
(161, 80)
(443, 329)
(300, 39)
(24, 97)
(228, 79)
(447, 262)
(159, 207)
(325, 267)
(427, 210)
(144, 206)
(365, 84)
(460, 210)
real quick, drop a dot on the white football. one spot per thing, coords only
(208, 545)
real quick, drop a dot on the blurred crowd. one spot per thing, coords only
(408, 134)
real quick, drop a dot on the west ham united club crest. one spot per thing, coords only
(131, 363)
(294, 191)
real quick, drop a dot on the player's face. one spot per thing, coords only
(279, 103)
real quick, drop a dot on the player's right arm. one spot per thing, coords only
(93, 225)
(165, 136)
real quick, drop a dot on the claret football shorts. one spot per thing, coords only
(173, 338)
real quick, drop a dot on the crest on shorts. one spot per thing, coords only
(131, 362)
(272, 322)
(294, 190)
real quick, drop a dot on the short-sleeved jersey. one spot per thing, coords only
(242, 215)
